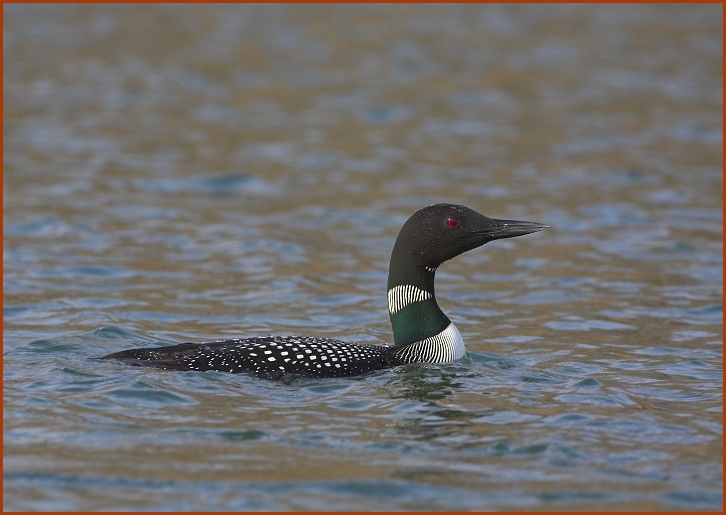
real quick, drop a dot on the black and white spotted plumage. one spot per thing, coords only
(272, 357)
(422, 332)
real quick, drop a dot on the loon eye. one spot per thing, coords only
(452, 221)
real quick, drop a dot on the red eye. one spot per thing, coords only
(452, 221)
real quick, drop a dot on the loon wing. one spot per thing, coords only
(269, 356)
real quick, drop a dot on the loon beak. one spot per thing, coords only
(511, 228)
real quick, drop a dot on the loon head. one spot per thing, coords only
(431, 236)
(439, 232)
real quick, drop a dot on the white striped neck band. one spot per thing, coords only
(401, 296)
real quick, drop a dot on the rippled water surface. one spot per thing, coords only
(188, 172)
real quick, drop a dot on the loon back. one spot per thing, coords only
(422, 332)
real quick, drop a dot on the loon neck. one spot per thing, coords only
(431, 236)
(415, 315)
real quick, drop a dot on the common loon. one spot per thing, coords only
(422, 332)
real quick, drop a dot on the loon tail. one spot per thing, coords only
(169, 358)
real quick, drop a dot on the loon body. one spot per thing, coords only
(422, 332)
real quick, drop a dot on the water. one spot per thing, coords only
(182, 173)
